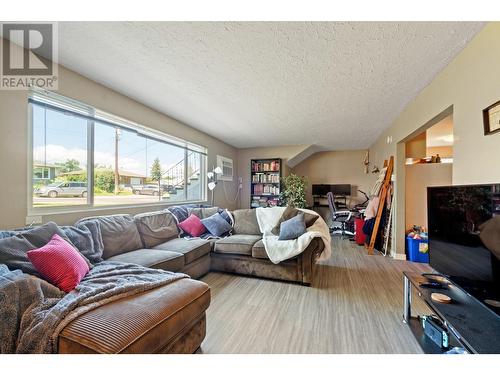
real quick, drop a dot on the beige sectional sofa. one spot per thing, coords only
(243, 253)
(171, 319)
(152, 240)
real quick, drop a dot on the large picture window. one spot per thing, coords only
(84, 157)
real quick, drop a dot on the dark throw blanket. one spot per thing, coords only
(181, 213)
(33, 312)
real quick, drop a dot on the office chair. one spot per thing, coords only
(338, 216)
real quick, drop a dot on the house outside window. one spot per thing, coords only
(83, 158)
(41, 173)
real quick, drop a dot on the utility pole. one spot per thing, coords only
(117, 175)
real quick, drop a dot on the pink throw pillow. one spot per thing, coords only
(59, 263)
(193, 226)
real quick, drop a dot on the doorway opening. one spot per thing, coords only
(425, 158)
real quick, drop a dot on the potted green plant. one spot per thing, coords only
(294, 191)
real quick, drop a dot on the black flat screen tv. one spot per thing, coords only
(464, 238)
(341, 189)
(336, 189)
(320, 189)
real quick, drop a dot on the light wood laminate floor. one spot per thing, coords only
(353, 306)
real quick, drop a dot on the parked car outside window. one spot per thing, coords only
(151, 189)
(63, 189)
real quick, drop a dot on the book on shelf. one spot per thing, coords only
(273, 202)
(260, 201)
(266, 178)
(266, 166)
(265, 189)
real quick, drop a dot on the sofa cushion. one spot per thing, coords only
(203, 212)
(245, 222)
(259, 251)
(13, 249)
(142, 323)
(290, 212)
(59, 263)
(165, 260)
(119, 234)
(293, 228)
(237, 244)
(199, 267)
(191, 249)
(156, 227)
(87, 238)
(217, 225)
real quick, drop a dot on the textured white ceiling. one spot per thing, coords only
(334, 84)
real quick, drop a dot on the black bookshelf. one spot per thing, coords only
(265, 182)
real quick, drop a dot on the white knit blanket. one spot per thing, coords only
(277, 250)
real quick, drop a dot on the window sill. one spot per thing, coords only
(90, 209)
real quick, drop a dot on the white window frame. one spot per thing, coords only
(100, 116)
(43, 169)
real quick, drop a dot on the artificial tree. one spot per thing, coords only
(294, 191)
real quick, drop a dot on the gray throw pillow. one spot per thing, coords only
(292, 228)
(216, 225)
(290, 212)
(245, 222)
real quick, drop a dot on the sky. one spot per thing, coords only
(65, 137)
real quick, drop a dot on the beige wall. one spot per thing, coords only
(14, 144)
(336, 167)
(416, 147)
(443, 151)
(246, 154)
(469, 84)
(418, 178)
(329, 167)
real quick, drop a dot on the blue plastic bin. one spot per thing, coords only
(417, 250)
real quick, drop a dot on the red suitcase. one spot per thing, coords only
(359, 236)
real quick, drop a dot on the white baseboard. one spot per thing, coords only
(399, 256)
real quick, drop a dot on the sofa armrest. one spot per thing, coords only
(308, 259)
